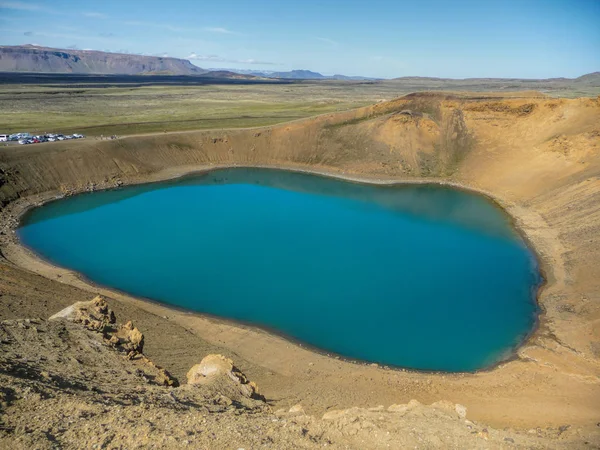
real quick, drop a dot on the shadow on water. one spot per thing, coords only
(441, 204)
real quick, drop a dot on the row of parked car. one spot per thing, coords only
(26, 138)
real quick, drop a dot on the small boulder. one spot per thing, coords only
(461, 411)
(215, 369)
(210, 367)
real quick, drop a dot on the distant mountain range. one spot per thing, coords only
(31, 58)
(298, 75)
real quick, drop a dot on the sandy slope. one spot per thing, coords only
(538, 157)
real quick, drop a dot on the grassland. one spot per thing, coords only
(123, 107)
(124, 110)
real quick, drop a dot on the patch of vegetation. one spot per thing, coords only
(428, 164)
(455, 142)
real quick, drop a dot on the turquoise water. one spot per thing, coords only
(418, 276)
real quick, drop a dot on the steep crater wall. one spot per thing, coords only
(394, 138)
(538, 157)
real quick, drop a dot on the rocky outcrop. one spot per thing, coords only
(95, 314)
(129, 339)
(216, 369)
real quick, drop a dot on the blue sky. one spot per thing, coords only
(392, 38)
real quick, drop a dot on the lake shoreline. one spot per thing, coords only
(34, 261)
(219, 331)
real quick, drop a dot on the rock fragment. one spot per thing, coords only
(461, 411)
(128, 339)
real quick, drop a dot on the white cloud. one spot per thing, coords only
(95, 15)
(20, 6)
(217, 58)
(161, 26)
(176, 28)
(254, 61)
(197, 57)
(73, 37)
(52, 35)
(218, 30)
(328, 41)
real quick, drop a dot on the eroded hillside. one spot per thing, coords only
(71, 383)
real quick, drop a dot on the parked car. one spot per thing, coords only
(17, 136)
(3, 137)
(26, 138)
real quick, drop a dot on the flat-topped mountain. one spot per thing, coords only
(299, 74)
(31, 58)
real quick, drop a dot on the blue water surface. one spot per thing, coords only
(418, 276)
